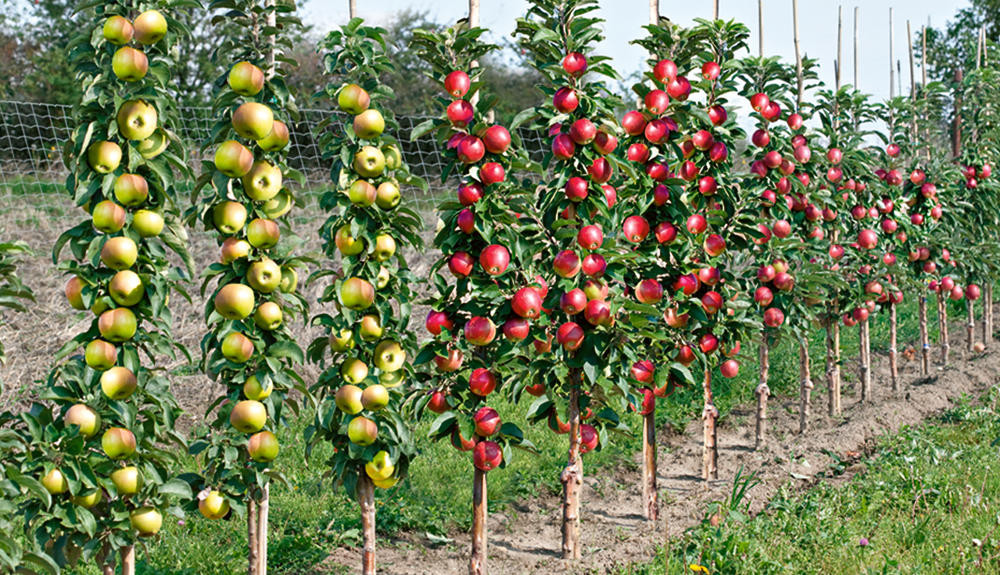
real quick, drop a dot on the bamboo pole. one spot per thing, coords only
(925, 345)
(572, 476)
(806, 385)
(252, 556)
(857, 24)
(654, 12)
(923, 58)
(798, 55)
(866, 370)
(715, 10)
(970, 326)
(262, 518)
(366, 501)
(760, 27)
(893, 355)
(838, 69)
(956, 142)
(762, 392)
(913, 74)
(892, 57)
(710, 456)
(979, 48)
(649, 495)
(128, 560)
(352, 8)
(833, 364)
(477, 559)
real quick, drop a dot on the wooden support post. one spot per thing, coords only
(988, 315)
(649, 495)
(762, 392)
(892, 57)
(893, 354)
(352, 8)
(710, 455)
(477, 559)
(857, 24)
(715, 10)
(760, 27)
(866, 372)
(970, 326)
(833, 364)
(366, 501)
(925, 344)
(262, 519)
(839, 68)
(943, 326)
(106, 560)
(128, 560)
(572, 475)
(252, 541)
(799, 80)
(654, 12)
(805, 385)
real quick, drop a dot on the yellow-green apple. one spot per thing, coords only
(87, 499)
(126, 288)
(84, 417)
(264, 275)
(342, 340)
(146, 521)
(154, 145)
(369, 124)
(263, 233)
(234, 249)
(362, 431)
(127, 480)
(108, 217)
(74, 293)
(129, 64)
(383, 277)
(131, 189)
(263, 446)
(385, 247)
(393, 157)
(357, 294)
(237, 347)
(104, 157)
(253, 120)
(233, 159)
(279, 205)
(375, 397)
(147, 223)
(55, 482)
(362, 193)
(118, 443)
(118, 30)
(150, 27)
(268, 316)
(389, 356)
(213, 505)
(369, 162)
(346, 243)
(100, 354)
(277, 139)
(118, 383)
(353, 99)
(391, 379)
(248, 416)
(253, 389)
(380, 467)
(289, 279)
(371, 328)
(246, 79)
(229, 216)
(353, 370)
(387, 195)
(234, 301)
(117, 325)
(348, 399)
(262, 182)
(137, 120)
(386, 483)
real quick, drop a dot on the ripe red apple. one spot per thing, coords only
(583, 131)
(600, 170)
(482, 382)
(773, 317)
(718, 152)
(437, 321)
(598, 312)
(527, 303)
(589, 439)
(707, 186)
(496, 139)
(712, 302)
(605, 143)
(696, 224)
(763, 296)
(784, 281)
(470, 193)
(565, 100)
(717, 115)
(689, 284)
(480, 331)
(460, 264)
(972, 292)
(782, 229)
(708, 343)
(759, 102)
(487, 455)
(460, 113)
(492, 173)
(643, 371)
(590, 237)
(714, 245)
(575, 64)
(573, 302)
(494, 259)
(709, 276)
(771, 112)
(634, 123)
(689, 171)
(566, 264)
(665, 232)
(635, 228)
(649, 291)
(665, 70)
(516, 329)
(563, 147)
(760, 138)
(656, 102)
(570, 336)
(470, 150)
(674, 319)
(457, 84)
(487, 421)
(679, 88)
(638, 152)
(702, 140)
(594, 265)
(711, 71)
(867, 239)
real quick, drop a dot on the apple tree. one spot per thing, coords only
(359, 396)
(242, 196)
(94, 454)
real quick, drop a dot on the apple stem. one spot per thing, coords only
(477, 560)
(572, 475)
(649, 464)
(866, 374)
(893, 355)
(366, 500)
(252, 542)
(762, 392)
(128, 560)
(710, 455)
(806, 385)
(925, 345)
(262, 519)
(943, 326)
(970, 327)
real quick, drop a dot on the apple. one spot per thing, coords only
(353, 370)
(118, 443)
(573, 302)
(380, 467)
(867, 239)
(237, 347)
(763, 296)
(566, 264)
(154, 145)
(362, 193)
(213, 505)
(679, 88)
(387, 195)
(656, 101)
(253, 120)
(634, 123)
(389, 356)
(88, 499)
(496, 138)
(575, 64)
(487, 421)
(565, 100)
(84, 417)
(494, 259)
(147, 521)
(457, 83)
(385, 247)
(117, 325)
(479, 331)
(246, 79)
(74, 293)
(665, 70)
(118, 30)
(730, 368)
(263, 446)
(460, 113)
(268, 316)
(362, 431)
(696, 224)
(137, 120)
(127, 480)
(234, 301)
(369, 162)
(234, 249)
(371, 328)
(563, 147)
(492, 173)
(255, 390)
(527, 303)
(108, 217)
(598, 312)
(150, 27)
(487, 455)
(263, 233)
(277, 139)
(233, 159)
(516, 329)
(248, 416)
(449, 363)
(357, 294)
(437, 321)
(460, 264)
(369, 124)
(570, 335)
(131, 189)
(375, 397)
(100, 355)
(353, 99)
(55, 482)
(635, 228)
(471, 149)
(263, 181)
(104, 157)
(348, 399)
(229, 217)
(590, 237)
(718, 152)
(649, 291)
(773, 317)
(714, 245)
(129, 64)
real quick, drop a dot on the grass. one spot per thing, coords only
(927, 501)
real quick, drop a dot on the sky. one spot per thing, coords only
(625, 18)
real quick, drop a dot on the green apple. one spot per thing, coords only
(263, 447)
(248, 416)
(268, 316)
(108, 217)
(387, 195)
(100, 306)
(371, 328)
(385, 247)
(389, 356)
(234, 249)
(380, 467)
(119, 253)
(369, 162)
(129, 64)
(346, 243)
(263, 234)
(279, 205)
(362, 193)
(117, 325)
(137, 120)
(84, 417)
(229, 217)
(362, 431)
(213, 505)
(262, 182)
(383, 277)
(391, 379)
(369, 124)
(126, 288)
(118, 383)
(147, 223)
(118, 30)
(104, 157)
(154, 145)
(74, 293)
(118, 443)
(146, 521)
(246, 79)
(150, 27)
(100, 355)
(342, 341)
(353, 370)
(237, 347)
(127, 480)
(234, 301)
(357, 294)
(233, 159)
(289, 280)
(277, 139)
(87, 499)
(252, 389)
(55, 482)
(253, 120)
(348, 399)
(353, 99)
(393, 157)
(264, 275)
(375, 397)
(386, 483)
(131, 189)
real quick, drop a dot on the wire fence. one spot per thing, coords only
(32, 173)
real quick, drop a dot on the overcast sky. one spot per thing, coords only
(817, 23)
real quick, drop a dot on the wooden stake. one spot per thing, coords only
(252, 541)
(979, 49)
(893, 355)
(572, 475)
(762, 392)
(988, 315)
(857, 23)
(366, 501)
(866, 375)
(806, 385)
(943, 315)
(262, 518)
(913, 75)
(649, 495)
(477, 560)
(715, 10)
(352, 8)
(925, 345)
(923, 58)
(473, 13)
(833, 364)
(838, 69)
(956, 142)
(892, 58)
(654, 12)
(106, 560)
(760, 27)
(798, 55)
(128, 560)
(970, 327)
(710, 457)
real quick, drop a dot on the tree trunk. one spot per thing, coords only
(988, 316)
(710, 457)
(477, 560)
(106, 560)
(262, 518)
(806, 385)
(893, 356)
(366, 500)
(252, 541)
(128, 560)
(649, 464)
(970, 327)
(833, 365)
(925, 345)
(762, 392)
(866, 375)
(943, 315)
(572, 476)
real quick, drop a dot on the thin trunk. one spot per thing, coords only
(925, 345)
(710, 457)
(988, 316)
(943, 311)
(970, 327)
(806, 385)
(366, 501)
(833, 365)
(893, 355)
(128, 560)
(106, 560)
(572, 476)
(866, 372)
(252, 541)
(649, 464)
(923, 57)
(762, 392)
(715, 10)
(956, 141)
(262, 518)
(477, 560)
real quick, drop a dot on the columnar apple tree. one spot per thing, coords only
(579, 252)
(485, 242)
(241, 196)
(95, 458)
(358, 397)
